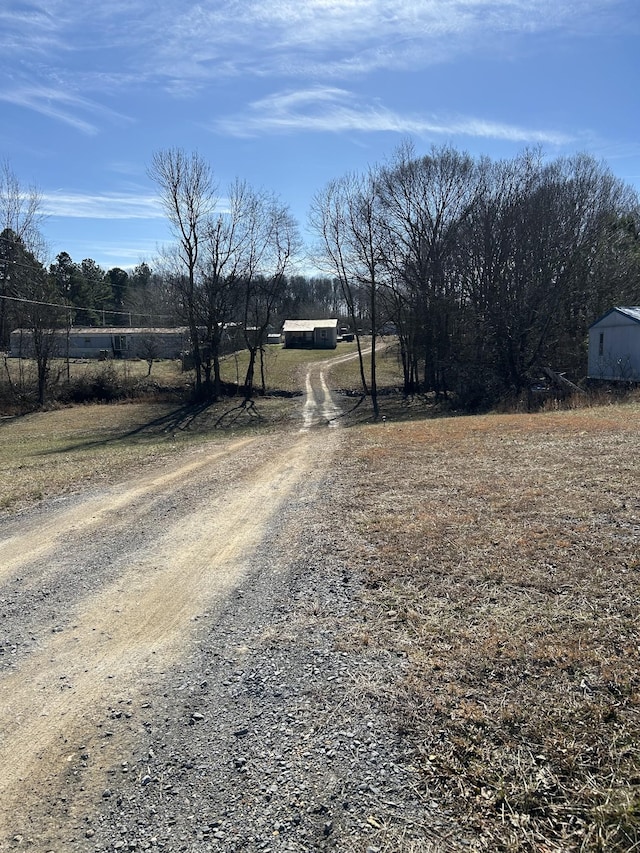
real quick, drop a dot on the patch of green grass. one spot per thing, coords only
(284, 368)
(346, 374)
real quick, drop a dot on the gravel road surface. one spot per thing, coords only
(180, 669)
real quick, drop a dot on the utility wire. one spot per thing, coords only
(22, 299)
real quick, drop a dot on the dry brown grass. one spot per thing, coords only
(502, 556)
(45, 454)
(165, 371)
(57, 452)
(84, 379)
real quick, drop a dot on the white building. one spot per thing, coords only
(106, 343)
(312, 334)
(614, 346)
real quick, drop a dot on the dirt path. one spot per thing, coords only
(137, 621)
(319, 406)
(185, 664)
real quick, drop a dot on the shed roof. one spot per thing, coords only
(633, 313)
(308, 325)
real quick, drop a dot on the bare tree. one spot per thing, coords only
(532, 264)
(273, 242)
(492, 270)
(40, 314)
(149, 349)
(346, 218)
(424, 202)
(20, 209)
(20, 219)
(229, 261)
(188, 196)
(44, 318)
(27, 297)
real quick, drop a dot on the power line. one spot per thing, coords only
(47, 304)
(59, 305)
(14, 263)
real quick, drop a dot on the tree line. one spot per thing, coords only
(485, 270)
(488, 270)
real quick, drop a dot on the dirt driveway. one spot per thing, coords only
(108, 601)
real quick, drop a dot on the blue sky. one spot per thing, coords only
(288, 94)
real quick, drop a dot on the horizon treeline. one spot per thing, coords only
(485, 269)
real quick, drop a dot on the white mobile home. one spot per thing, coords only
(614, 346)
(103, 343)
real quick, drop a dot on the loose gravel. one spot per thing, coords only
(275, 734)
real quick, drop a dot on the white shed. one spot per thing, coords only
(315, 334)
(614, 346)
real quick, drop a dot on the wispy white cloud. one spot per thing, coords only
(133, 205)
(184, 49)
(189, 46)
(333, 110)
(17, 19)
(117, 251)
(335, 38)
(124, 253)
(101, 206)
(59, 104)
(354, 24)
(51, 103)
(616, 150)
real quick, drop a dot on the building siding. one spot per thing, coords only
(106, 343)
(614, 346)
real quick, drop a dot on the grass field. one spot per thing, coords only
(163, 371)
(283, 367)
(131, 377)
(502, 556)
(45, 454)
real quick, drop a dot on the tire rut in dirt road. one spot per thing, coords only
(54, 702)
(319, 407)
(40, 536)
